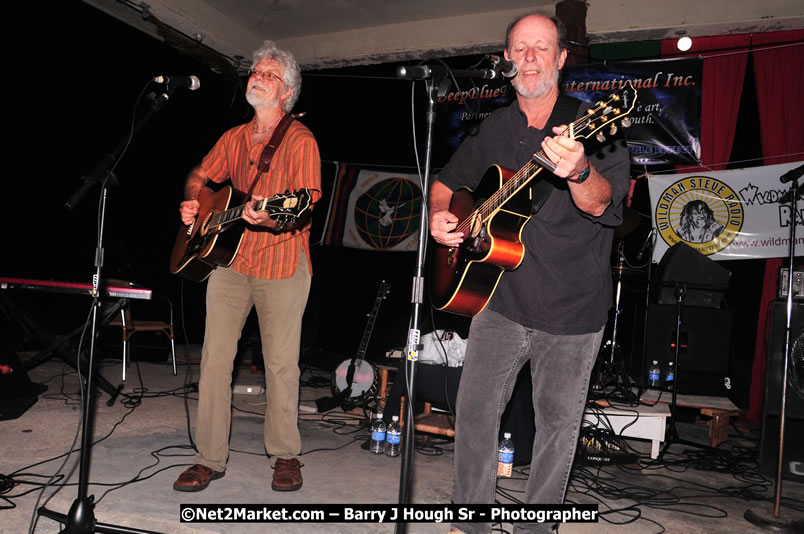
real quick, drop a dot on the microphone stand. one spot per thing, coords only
(649, 252)
(776, 521)
(436, 83)
(679, 292)
(81, 517)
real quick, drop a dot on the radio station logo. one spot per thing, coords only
(703, 212)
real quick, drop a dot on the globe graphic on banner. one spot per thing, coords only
(388, 212)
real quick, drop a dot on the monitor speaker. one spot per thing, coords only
(703, 359)
(17, 392)
(706, 281)
(793, 455)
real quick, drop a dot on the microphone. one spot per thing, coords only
(790, 195)
(190, 82)
(506, 67)
(792, 174)
(422, 71)
(648, 241)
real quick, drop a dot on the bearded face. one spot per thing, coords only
(533, 45)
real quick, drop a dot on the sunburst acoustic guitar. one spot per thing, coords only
(214, 238)
(463, 278)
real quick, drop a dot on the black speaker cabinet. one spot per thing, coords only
(705, 279)
(17, 392)
(793, 458)
(703, 360)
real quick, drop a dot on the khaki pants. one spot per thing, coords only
(280, 306)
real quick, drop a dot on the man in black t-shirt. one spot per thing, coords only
(551, 309)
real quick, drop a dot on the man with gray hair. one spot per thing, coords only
(271, 271)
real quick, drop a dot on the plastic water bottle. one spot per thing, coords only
(377, 445)
(669, 375)
(393, 437)
(654, 375)
(505, 456)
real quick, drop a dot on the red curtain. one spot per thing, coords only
(779, 69)
(723, 72)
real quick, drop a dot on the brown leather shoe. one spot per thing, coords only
(287, 475)
(196, 478)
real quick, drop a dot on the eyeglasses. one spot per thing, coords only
(265, 75)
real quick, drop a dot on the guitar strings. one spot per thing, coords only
(511, 186)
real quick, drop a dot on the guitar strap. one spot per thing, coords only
(564, 112)
(270, 148)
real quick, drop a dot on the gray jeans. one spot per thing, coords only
(560, 370)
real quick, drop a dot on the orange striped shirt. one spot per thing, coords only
(296, 164)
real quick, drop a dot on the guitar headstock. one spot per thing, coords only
(384, 289)
(617, 106)
(287, 207)
(614, 108)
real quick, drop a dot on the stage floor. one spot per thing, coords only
(684, 494)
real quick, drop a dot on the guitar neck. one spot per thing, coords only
(617, 106)
(233, 214)
(361, 352)
(510, 188)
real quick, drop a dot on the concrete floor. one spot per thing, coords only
(150, 442)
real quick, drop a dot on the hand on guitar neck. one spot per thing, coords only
(260, 218)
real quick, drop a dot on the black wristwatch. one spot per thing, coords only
(583, 175)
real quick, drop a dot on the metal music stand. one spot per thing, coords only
(680, 291)
(693, 280)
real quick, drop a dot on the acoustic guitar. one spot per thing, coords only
(214, 238)
(464, 278)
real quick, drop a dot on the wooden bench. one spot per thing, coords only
(429, 421)
(719, 409)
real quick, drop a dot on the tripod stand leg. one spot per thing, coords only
(57, 347)
(83, 511)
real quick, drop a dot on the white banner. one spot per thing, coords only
(726, 215)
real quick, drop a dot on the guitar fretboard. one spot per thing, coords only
(227, 216)
(511, 187)
(523, 176)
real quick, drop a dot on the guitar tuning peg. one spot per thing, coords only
(600, 137)
(613, 129)
(626, 122)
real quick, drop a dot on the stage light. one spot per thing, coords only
(684, 43)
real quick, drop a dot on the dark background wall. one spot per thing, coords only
(74, 77)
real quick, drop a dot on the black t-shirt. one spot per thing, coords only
(563, 285)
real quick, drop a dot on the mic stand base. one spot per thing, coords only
(763, 517)
(675, 440)
(81, 520)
